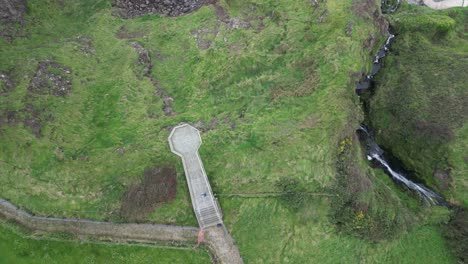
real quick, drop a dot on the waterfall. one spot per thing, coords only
(375, 153)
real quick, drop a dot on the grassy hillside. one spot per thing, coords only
(17, 247)
(275, 99)
(272, 92)
(420, 106)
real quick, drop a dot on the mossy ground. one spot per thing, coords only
(281, 93)
(420, 107)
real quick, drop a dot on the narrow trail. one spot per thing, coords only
(445, 4)
(217, 239)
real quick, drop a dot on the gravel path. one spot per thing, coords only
(445, 4)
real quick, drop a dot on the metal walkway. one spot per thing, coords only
(185, 141)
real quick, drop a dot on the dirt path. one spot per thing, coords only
(445, 4)
(217, 239)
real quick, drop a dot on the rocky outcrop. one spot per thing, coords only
(144, 59)
(51, 78)
(12, 10)
(172, 8)
(11, 13)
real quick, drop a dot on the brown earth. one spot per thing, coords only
(159, 186)
(369, 10)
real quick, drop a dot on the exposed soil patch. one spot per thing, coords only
(144, 59)
(172, 8)
(307, 87)
(9, 118)
(125, 33)
(220, 12)
(11, 17)
(35, 117)
(167, 99)
(310, 122)
(6, 85)
(223, 16)
(205, 36)
(51, 78)
(86, 46)
(214, 123)
(159, 186)
(443, 178)
(369, 10)
(370, 42)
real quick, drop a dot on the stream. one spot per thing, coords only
(374, 152)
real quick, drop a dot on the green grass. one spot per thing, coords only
(267, 232)
(112, 107)
(287, 86)
(17, 247)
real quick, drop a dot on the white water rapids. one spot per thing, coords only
(374, 152)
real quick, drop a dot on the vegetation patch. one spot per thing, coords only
(363, 206)
(456, 234)
(419, 108)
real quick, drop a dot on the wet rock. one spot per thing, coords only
(173, 8)
(363, 85)
(375, 69)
